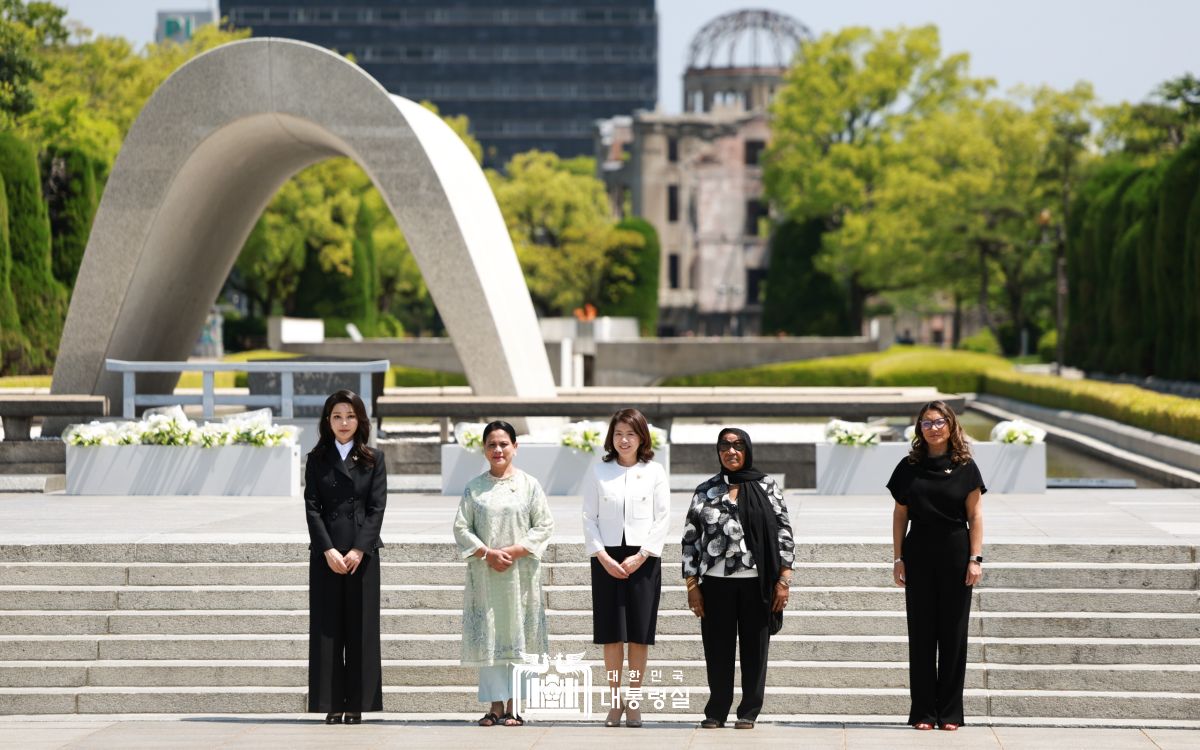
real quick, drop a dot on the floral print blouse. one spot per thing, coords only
(712, 532)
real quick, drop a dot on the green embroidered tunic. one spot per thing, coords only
(503, 614)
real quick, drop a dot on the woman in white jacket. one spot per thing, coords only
(626, 511)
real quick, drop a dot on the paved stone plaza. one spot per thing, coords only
(292, 734)
(1075, 516)
(1134, 522)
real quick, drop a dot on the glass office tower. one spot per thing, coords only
(528, 73)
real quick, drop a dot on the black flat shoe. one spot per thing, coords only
(352, 719)
(743, 724)
(712, 724)
(333, 718)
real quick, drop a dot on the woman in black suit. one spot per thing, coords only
(345, 492)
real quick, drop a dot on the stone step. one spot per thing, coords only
(461, 699)
(820, 598)
(416, 673)
(807, 551)
(787, 647)
(579, 622)
(999, 575)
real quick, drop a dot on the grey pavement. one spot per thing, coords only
(1169, 516)
(292, 733)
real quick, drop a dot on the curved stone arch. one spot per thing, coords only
(209, 151)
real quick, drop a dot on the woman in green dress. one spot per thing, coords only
(502, 528)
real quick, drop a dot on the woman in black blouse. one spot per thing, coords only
(937, 541)
(737, 561)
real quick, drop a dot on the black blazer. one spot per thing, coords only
(344, 506)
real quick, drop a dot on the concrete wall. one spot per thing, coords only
(633, 362)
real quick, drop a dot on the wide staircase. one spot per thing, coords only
(1071, 634)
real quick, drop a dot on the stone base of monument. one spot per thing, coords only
(865, 470)
(183, 470)
(559, 469)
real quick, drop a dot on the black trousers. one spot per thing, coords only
(734, 616)
(938, 605)
(344, 661)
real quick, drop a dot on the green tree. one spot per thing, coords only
(641, 301)
(844, 105)
(19, 69)
(45, 20)
(307, 234)
(12, 340)
(801, 300)
(91, 92)
(1174, 332)
(558, 217)
(40, 299)
(69, 184)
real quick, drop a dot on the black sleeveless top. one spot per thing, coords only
(935, 490)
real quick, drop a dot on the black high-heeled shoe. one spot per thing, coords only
(352, 719)
(333, 718)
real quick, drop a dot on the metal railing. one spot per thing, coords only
(283, 404)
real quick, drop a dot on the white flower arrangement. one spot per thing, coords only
(585, 437)
(1017, 431)
(910, 433)
(850, 433)
(469, 435)
(172, 427)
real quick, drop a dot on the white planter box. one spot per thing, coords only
(559, 469)
(183, 470)
(865, 470)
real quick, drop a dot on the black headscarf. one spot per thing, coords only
(757, 517)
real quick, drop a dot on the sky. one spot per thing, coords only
(1124, 49)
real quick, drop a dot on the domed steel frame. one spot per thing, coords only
(784, 34)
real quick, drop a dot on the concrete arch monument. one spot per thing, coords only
(206, 155)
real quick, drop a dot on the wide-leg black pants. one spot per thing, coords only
(344, 661)
(734, 616)
(938, 605)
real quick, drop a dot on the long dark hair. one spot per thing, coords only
(958, 449)
(637, 421)
(362, 434)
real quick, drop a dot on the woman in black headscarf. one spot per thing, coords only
(737, 562)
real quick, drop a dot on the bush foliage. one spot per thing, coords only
(963, 372)
(40, 300)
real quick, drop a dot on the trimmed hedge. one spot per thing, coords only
(949, 371)
(962, 372)
(12, 341)
(41, 301)
(69, 184)
(642, 300)
(848, 371)
(412, 377)
(1157, 412)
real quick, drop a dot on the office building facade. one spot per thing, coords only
(528, 73)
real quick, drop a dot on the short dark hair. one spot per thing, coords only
(499, 425)
(637, 421)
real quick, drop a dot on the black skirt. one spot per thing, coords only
(625, 610)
